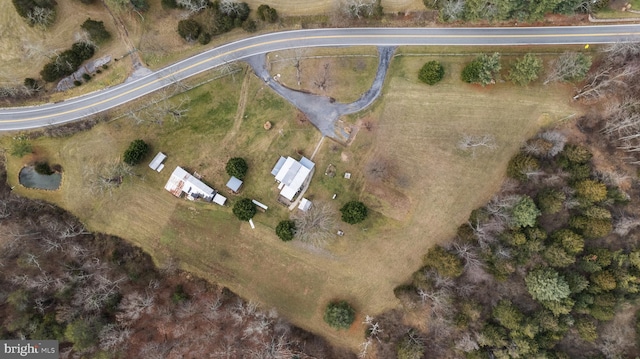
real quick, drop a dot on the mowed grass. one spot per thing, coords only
(415, 127)
(345, 78)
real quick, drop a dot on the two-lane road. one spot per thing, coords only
(38, 116)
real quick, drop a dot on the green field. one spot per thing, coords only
(414, 127)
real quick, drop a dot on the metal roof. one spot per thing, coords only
(234, 184)
(157, 161)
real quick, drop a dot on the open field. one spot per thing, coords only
(24, 49)
(414, 127)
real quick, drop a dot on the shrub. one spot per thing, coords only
(547, 284)
(339, 315)
(179, 295)
(43, 168)
(431, 73)
(353, 212)
(237, 167)
(189, 29)
(445, 263)
(286, 230)
(86, 77)
(550, 200)
(267, 13)
(169, 4)
(204, 38)
(31, 83)
(520, 165)
(136, 152)
(249, 26)
(67, 62)
(96, 30)
(20, 146)
(574, 154)
(77, 83)
(140, 5)
(244, 209)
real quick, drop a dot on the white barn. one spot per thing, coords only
(182, 182)
(292, 175)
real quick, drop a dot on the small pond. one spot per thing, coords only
(32, 179)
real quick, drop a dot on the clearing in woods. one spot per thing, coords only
(413, 127)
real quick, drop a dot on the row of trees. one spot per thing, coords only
(67, 62)
(501, 10)
(485, 69)
(209, 19)
(317, 224)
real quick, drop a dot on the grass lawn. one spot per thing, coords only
(414, 127)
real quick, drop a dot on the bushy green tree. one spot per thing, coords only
(591, 227)
(574, 154)
(431, 72)
(189, 29)
(244, 209)
(525, 70)
(445, 263)
(604, 280)
(557, 256)
(550, 200)
(525, 213)
(572, 242)
(520, 164)
(135, 152)
(482, 70)
(286, 230)
(547, 284)
(508, 315)
(353, 212)
(83, 333)
(591, 191)
(96, 31)
(339, 315)
(237, 167)
(577, 282)
(67, 62)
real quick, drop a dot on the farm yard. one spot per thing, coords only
(422, 189)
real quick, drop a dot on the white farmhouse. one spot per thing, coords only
(181, 182)
(292, 175)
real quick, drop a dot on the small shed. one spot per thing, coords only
(304, 205)
(234, 184)
(219, 199)
(157, 161)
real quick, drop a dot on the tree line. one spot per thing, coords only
(502, 10)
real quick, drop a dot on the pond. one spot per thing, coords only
(32, 179)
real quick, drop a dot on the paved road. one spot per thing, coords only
(76, 108)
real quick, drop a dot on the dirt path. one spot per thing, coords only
(242, 104)
(323, 111)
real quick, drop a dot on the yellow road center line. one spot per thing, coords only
(316, 38)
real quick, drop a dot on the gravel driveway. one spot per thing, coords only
(319, 109)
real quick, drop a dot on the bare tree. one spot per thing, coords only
(230, 7)
(357, 9)
(467, 343)
(568, 66)
(41, 17)
(473, 143)
(452, 10)
(133, 305)
(380, 169)
(114, 336)
(317, 225)
(192, 6)
(106, 178)
(323, 80)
